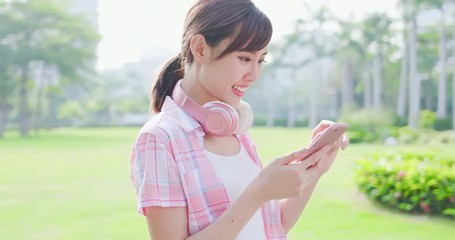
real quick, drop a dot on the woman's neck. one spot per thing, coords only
(224, 146)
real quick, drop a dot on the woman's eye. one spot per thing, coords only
(245, 59)
(262, 61)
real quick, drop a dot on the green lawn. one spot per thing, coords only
(74, 184)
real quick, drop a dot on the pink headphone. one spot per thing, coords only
(217, 118)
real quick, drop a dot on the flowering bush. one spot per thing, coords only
(418, 183)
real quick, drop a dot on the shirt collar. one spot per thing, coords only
(181, 118)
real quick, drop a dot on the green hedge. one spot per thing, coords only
(415, 183)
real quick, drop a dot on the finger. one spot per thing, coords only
(345, 142)
(315, 157)
(321, 126)
(292, 156)
(315, 136)
(334, 147)
(338, 142)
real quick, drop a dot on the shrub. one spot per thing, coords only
(416, 183)
(446, 137)
(442, 124)
(72, 112)
(427, 119)
(260, 120)
(408, 135)
(367, 125)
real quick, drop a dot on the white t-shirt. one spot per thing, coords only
(236, 172)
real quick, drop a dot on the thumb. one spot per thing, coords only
(291, 157)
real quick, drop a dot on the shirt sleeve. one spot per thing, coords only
(155, 174)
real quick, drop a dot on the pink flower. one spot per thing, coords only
(425, 207)
(401, 174)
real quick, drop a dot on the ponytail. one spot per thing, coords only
(170, 74)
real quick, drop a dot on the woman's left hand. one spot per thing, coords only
(324, 164)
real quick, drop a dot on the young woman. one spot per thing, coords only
(194, 165)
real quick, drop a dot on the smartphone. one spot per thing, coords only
(328, 136)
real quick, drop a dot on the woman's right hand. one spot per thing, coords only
(287, 176)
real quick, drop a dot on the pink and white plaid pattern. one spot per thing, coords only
(170, 169)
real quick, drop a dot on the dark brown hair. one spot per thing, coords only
(216, 20)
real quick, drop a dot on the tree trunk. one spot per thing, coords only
(453, 85)
(3, 116)
(292, 111)
(442, 96)
(427, 92)
(333, 104)
(42, 78)
(24, 110)
(271, 113)
(312, 121)
(414, 81)
(401, 105)
(367, 91)
(347, 93)
(271, 105)
(377, 78)
(453, 101)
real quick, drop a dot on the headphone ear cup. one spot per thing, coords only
(245, 117)
(222, 120)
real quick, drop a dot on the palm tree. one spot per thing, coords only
(318, 42)
(453, 80)
(367, 91)
(349, 53)
(442, 84)
(402, 92)
(377, 33)
(414, 80)
(270, 82)
(287, 61)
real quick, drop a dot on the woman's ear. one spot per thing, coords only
(199, 48)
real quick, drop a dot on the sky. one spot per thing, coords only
(130, 27)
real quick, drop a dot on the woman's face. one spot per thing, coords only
(227, 79)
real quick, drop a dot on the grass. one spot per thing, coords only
(74, 184)
(338, 211)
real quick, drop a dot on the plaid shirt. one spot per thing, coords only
(170, 169)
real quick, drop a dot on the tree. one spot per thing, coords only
(6, 87)
(377, 33)
(7, 78)
(414, 80)
(289, 57)
(43, 30)
(350, 53)
(402, 92)
(453, 78)
(318, 40)
(442, 83)
(428, 58)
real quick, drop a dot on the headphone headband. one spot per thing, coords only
(187, 103)
(216, 118)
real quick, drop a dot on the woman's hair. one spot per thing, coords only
(216, 20)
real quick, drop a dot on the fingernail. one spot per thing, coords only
(344, 146)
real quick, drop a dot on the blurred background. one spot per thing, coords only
(91, 63)
(75, 77)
